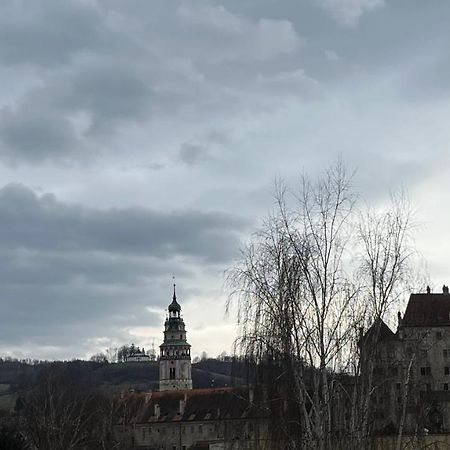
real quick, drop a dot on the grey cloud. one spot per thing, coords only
(348, 12)
(205, 147)
(46, 32)
(293, 83)
(36, 136)
(239, 37)
(30, 221)
(64, 314)
(71, 273)
(118, 66)
(192, 153)
(109, 92)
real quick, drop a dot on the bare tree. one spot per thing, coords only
(300, 306)
(99, 358)
(297, 301)
(61, 412)
(111, 354)
(384, 272)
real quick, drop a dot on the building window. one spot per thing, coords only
(425, 371)
(172, 373)
(398, 386)
(445, 386)
(446, 370)
(439, 335)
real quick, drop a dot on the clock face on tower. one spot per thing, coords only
(175, 352)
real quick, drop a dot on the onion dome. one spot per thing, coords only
(174, 306)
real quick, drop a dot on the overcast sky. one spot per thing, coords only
(139, 140)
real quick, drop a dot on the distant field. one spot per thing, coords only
(7, 398)
(4, 388)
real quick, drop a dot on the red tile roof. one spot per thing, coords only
(426, 310)
(198, 404)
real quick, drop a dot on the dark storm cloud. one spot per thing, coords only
(42, 222)
(66, 265)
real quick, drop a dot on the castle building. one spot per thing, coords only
(175, 352)
(411, 368)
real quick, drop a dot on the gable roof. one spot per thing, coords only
(198, 404)
(427, 310)
(378, 332)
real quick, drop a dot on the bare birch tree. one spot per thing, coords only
(384, 271)
(299, 305)
(296, 300)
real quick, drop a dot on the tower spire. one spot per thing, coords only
(174, 298)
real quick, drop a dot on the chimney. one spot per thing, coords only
(157, 411)
(428, 290)
(445, 289)
(399, 318)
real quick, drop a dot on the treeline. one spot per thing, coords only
(206, 373)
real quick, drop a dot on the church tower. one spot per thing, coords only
(175, 356)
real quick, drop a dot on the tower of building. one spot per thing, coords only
(175, 352)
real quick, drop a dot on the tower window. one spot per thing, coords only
(172, 373)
